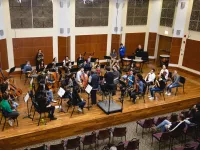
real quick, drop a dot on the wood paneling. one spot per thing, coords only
(132, 41)
(175, 50)
(164, 44)
(3, 55)
(191, 55)
(151, 43)
(63, 47)
(115, 43)
(26, 49)
(90, 44)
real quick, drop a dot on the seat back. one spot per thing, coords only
(119, 132)
(103, 134)
(182, 80)
(73, 143)
(120, 146)
(22, 66)
(133, 144)
(191, 129)
(178, 131)
(89, 139)
(12, 70)
(43, 147)
(148, 123)
(159, 120)
(57, 147)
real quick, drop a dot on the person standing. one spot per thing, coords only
(139, 49)
(39, 59)
(122, 51)
(94, 82)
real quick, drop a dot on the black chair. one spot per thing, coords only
(145, 124)
(10, 72)
(43, 147)
(145, 57)
(103, 135)
(73, 143)
(57, 146)
(182, 81)
(132, 145)
(22, 67)
(73, 108)
(161, 137)
(89, 139)
(4, 115)
(38, 110)
(158, 120)
(160, 92)
(191, 131)
(119, 132)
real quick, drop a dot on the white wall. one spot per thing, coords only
(1, 20)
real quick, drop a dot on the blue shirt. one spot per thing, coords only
(131, 78)
(141, 86)
(27, 68)
(122, 51)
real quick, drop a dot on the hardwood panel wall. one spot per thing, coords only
(26, 49)
(191, 56)
(115, 43)
(175, 50)
(3, 55)
(63, 47)
(132, 41)
(90, 44)
(151, 43)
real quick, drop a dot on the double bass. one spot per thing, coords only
(84, 78)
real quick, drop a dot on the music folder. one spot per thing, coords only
(26, 97)
(61, 92)
(88, 89)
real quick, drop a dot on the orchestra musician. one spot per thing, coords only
(109, 80)
(43, 103)
(39, 58)
(158, 86)
(165, 73)
(89, 60)
(54, 61)
(78, 77)
(6, 107)
(79, 59)
(75, 99)
(174, 83)
(41, 66)
(66, 61)
(113, 56)
(86, 65)
(150, 78)
(139, 49)
(94, 82)
(130, 79)
(84, 78)
(139, 87)
(27, 68)
(96, 64)
(122, 51)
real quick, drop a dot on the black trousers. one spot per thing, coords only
(51, 110)
(94, 96)
(121, 57)
(13, 115)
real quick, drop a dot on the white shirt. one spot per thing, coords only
(150, 77)
(167, 73)
(64, 62)
(78, 76)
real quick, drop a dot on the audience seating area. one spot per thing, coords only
(176, 139)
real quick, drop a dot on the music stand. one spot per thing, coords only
(107, 57)
(102, 66)
(61, 93)
(26, 98)
(72, 63)
(49, 66)
(59, 64)
(93, 59)
(88, 90)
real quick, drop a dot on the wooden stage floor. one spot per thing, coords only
(28, 133)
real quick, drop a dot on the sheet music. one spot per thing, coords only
(26, 97)
(88, 89)
(61, 92)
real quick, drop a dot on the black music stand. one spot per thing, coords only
(49, 66)
(60, 64)
(74, 70)
(107, 58)
(88, 90)
(93, 59)
(26, 99)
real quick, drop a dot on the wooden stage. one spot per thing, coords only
(28, 133)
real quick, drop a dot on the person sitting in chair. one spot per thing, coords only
(175, 83)
(27, 67)
(150, 78)
(140, 86)
(165, 73)
(5, 106)
(159, 86)
(75, 100)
